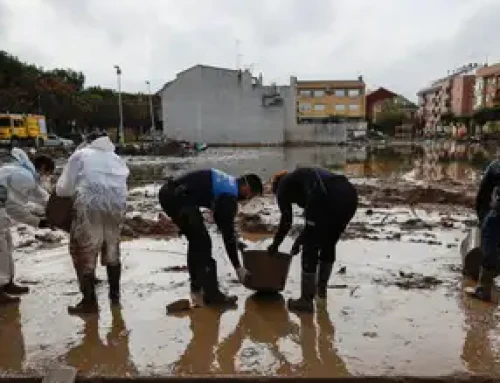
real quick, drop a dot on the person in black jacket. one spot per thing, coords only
(488, 213)
(181, 199)
(329, 202)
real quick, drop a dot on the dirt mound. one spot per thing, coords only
(138, 226)
(415, 194)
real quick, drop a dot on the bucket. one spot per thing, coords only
(472, 256)
(59, 212)
(268, 272)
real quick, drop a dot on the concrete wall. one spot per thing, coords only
(214, 105)
(316, 133)
(324, 133)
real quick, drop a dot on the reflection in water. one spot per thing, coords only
(479, 353)
(266, 321)
(12, 352)
(199, 356)
(323, 360)
(433, 161)
(93, 356)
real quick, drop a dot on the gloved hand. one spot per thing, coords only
(273, 248)
(242, 246)
(243, 274)
(43, 224)
(295, 248)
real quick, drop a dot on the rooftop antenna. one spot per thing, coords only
(238, 54)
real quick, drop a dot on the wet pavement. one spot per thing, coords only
(395, 302)
(395, 306)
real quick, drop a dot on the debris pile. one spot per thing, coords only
(138, 226)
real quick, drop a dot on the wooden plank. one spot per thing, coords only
(61, 375)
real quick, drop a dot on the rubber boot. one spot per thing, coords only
(13, 289)
(114, 275)
(6, 299)
(212, 296)
(325, 271)
(306, 301)
(484, 286)
(88, 304)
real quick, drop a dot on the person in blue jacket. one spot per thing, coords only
(488, 213)
(181, 199)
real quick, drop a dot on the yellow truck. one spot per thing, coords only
(27, 129)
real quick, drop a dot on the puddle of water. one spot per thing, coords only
(370, 325)
(426, 162)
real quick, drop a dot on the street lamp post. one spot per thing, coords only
(151, 111)
(120, 136)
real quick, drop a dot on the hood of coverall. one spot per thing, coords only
(102, 143)
(23, 160)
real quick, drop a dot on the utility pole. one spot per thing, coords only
(151, 108)
(120, 136)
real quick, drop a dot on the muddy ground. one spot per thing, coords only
(395, 302)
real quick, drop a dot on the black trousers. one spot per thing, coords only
(327, 216)
(189, 220)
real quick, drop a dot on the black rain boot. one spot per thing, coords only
(306, 301)
(13, 289)
(212, 296)
(114, 275)
(88, 304)
(6, 299)
(484, 286)
(325, 271)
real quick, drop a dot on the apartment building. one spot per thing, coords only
(320, 101)
(453, 94)
(487, 88)
(382, 98)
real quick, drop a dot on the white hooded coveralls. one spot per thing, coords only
(96, 178)
(22, 184)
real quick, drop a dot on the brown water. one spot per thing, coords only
(428, 162)
(380, 318)
(398, 308)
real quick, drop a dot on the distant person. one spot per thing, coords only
(181, 199)
(488, 213)
(329, 202)
(20, 183)
(96, 179)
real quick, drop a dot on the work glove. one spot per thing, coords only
(243, 274)
(43, 224)
(272, 249)
(242, 246)
(295, 248)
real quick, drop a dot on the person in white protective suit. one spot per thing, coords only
(96, 179)
(19, 184)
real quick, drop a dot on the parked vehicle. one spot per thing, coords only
(56, 141)
(24, 129)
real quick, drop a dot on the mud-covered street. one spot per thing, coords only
(395, 300)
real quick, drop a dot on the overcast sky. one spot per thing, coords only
(399, 44)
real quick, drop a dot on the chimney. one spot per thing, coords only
(261, 80)
(360, 78)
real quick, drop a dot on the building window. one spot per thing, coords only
(304, 106)
(353, 92)
(354, 107)
(305, 93)
(319, 107)
(318, 93)
(339, 107)
(339, 92)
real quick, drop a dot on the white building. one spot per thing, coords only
(225, 106)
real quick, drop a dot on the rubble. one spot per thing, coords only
(138, 226)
